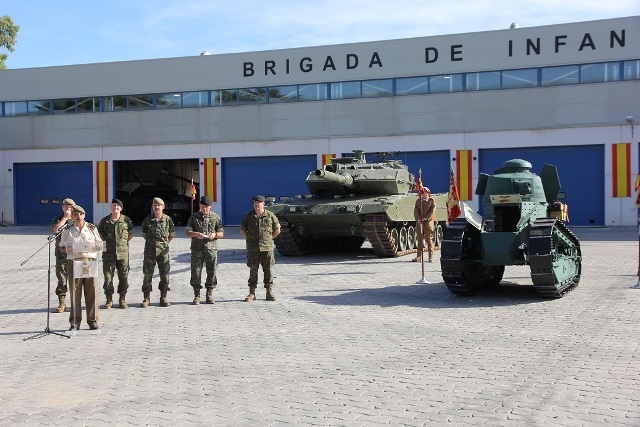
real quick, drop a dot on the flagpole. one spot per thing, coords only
(422, 280)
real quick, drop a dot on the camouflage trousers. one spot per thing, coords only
(149, 264)
(255, 259)
(61, 274)
(108, 267)
(208, 257)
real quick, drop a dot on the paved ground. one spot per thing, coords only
(351, 341)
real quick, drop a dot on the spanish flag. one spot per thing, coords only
(464, 168)
(210, 178)
(102, 181)
(326, 159)
(621, 169)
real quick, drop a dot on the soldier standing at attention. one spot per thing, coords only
(205, 228)
(259, 228)
(116, 230)
(157, 231)
(424, 213)
(61, 258)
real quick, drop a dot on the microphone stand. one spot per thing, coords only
(47, 329)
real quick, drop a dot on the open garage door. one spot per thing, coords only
(243, 177)
(581, 172)
(40, 189)
(137, 182)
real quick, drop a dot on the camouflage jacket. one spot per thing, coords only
(157, 233)
(115, 234)
(260, 230)
(59, 253)
(212, 223)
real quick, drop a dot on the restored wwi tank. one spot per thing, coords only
(350, 201)
(516, 228)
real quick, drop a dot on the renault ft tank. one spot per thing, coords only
(515, 229)
(350, 201)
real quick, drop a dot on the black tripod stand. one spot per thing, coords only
(47, 330)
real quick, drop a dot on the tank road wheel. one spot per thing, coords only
(395, 237)
(290, 243)
(411, 237)
(461, 246)
(437, 235)
(402, 244)
(555, 258)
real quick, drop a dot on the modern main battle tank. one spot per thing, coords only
(350, 201)
(516, 228)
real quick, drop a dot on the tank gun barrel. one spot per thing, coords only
(346, 180)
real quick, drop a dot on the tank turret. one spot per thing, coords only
(515, 228)
(351, 201)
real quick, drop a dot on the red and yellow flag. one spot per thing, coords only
(326, 159)
(419, 187)
(210, 178)
(621, 169)
(453, 199)
(102, 181)
(464, 167)
(193, 190)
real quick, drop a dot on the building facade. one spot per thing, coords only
(259, 122)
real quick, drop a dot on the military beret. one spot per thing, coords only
(68, 201)
(205, 200)
(258, 198)
(77, 208)
(158, 200)
(118, 202)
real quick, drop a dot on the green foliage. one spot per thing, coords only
(8, 33)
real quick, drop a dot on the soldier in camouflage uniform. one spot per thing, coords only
(61, 258)
(259, 227)
(157, 231)
(204, 228)
(116, 230)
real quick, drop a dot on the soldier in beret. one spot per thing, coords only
(157, 231)
(61, 259)
(259, 228)
(82, 243)
(116, 230)
(205, 228)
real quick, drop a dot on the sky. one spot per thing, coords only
(69, 32)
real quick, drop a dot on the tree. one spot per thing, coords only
(8, 33)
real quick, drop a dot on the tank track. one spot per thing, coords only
(288, 244)
(544, 250)
(465, 278)
(376, 227)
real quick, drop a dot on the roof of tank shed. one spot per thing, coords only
(514, 165)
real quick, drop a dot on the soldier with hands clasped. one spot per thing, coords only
(205, 228)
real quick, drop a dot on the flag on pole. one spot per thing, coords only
(419, 187)
(637, 185)
(453, 199)
(193, 190)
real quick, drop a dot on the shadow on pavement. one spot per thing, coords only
(434, 295)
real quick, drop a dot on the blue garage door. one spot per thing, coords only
(581, 172)
(41, 187)
(270, 176)
(435, 167)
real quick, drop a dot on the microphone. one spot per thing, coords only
(66, 225)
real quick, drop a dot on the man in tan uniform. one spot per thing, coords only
(424, 213)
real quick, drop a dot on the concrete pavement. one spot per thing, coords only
(351, 341)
